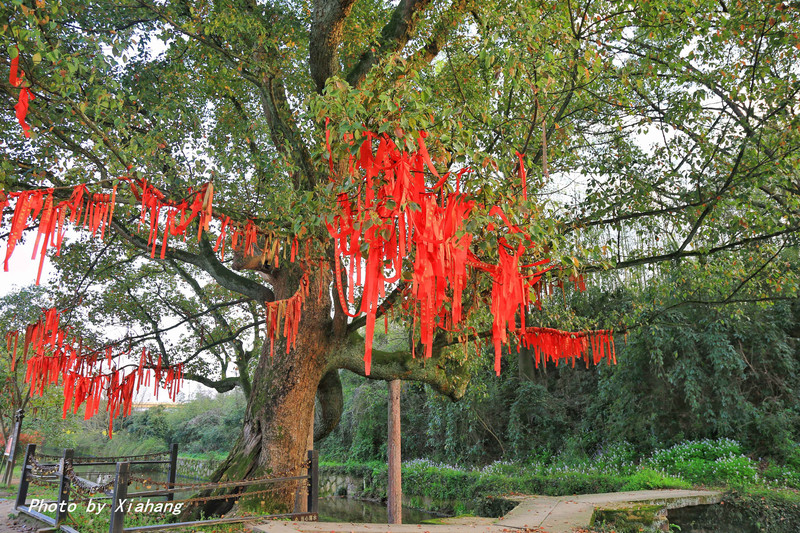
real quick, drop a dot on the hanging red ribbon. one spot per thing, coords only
(399, 214)
(25, 96)
(554, 345)
(52, 355)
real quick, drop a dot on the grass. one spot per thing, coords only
(453, 489)
(91, 522)
(760, 492)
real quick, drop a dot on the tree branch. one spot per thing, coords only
(325, 36)
(241, 355)
(206, 261)
(394, 36)
(222, 385)
(696, 253)
(447, 376)
(387, 304)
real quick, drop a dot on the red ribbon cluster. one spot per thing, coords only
(25, 96)
(553, 345)
(397, 215)
(95, 212)
(95, 209)
(179, 214)
(289, 311)
(52, 354)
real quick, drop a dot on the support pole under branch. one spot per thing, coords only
(395, 488)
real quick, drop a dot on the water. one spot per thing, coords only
(330, 509)
(105, 473)
(362, 511)
(709, 519)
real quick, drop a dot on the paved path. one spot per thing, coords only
(545, 514)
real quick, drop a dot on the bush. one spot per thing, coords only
(782, 476)
(706, 461)
(451, 489)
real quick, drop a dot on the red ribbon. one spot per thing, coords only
(51, 355)
(25, 97)
(396, 213)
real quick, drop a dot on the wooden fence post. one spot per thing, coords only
(22, 493)
(313, 481)
(173, 469)
(13, 443)
(118, 501)
(63, 486)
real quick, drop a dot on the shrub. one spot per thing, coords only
(706, 461)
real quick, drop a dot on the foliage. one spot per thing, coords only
(769, 510)
(661, 140)
(707, 373)
(706, 462)
(202, 427)
(692, 373)
(460, 490)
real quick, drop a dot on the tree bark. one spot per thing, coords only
(395, 489)
(280, 410)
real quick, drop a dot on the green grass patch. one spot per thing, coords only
(450, 489)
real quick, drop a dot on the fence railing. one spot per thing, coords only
(63, 473)
(41, 469)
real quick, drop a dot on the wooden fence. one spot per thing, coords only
(116, 490)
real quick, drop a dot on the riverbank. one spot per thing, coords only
(532, 513)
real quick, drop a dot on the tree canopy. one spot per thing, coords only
(652, 135)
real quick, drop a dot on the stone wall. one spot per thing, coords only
(196, 468)
(338, 484)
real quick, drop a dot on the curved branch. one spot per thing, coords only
(361, 321)
(154, 324)
(447, 376)
(206, 261)
(695, 253)
(325, 37)
(222, 385)
(232, 337)
(145, 336)
(283, 130)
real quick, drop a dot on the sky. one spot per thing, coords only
(22, 272)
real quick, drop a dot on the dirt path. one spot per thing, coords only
(12, 525)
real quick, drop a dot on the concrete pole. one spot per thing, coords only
(395, 488)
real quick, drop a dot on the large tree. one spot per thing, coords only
(651, 131)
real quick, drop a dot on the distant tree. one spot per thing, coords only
(43, 413)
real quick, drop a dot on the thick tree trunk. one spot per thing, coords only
(280, 410)
(279, 419)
